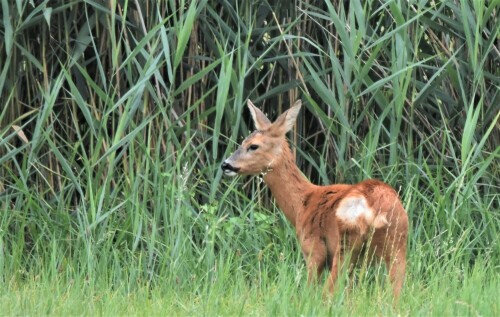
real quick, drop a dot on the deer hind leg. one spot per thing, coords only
(336, 256)
(396, 261)
(396, 265)
(314, 251)
(391, 248)
(349, 247)
(336, 260)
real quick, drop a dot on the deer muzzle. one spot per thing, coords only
(229, 169)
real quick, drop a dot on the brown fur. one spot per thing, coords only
(324, 235)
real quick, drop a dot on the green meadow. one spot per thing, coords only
(116, 115)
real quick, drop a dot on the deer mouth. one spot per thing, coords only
(229, 170)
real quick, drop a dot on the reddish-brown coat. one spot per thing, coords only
(323, 234)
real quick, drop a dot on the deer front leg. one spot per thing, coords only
(314, 251)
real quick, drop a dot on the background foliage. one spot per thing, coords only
(115, 116)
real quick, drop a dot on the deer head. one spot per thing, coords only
(263, 149)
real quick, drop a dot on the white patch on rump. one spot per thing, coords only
(353, 209)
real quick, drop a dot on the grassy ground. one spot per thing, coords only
(448, 290)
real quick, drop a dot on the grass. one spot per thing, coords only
(446, 289)
(114, 120)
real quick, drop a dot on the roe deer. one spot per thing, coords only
(329, 221)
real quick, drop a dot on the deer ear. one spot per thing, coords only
(287, 119)
(259, 119)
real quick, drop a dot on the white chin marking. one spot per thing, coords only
(230, 173)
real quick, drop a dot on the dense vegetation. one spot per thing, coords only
(115, 116)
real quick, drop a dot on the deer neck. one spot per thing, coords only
(288, 185)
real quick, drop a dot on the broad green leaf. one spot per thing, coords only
(183, 33)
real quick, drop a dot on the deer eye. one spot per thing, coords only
(253, 147)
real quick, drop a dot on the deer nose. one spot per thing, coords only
(226, 167)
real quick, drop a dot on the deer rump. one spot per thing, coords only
(356, 211)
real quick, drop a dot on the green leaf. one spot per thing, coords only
(183, 34)
(469, 130)
(47, 13)
(223, 87)
(8, 35)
